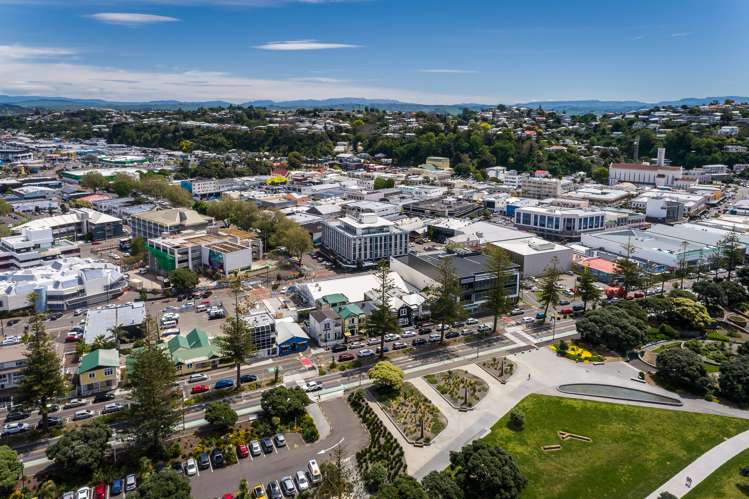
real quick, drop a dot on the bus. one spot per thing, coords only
(125, 243)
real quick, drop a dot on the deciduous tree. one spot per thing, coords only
(487, 470)
(734, 379)
(220, 414)
(387, 375)
(81, 451)
(166, 484)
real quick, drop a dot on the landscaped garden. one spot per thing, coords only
(730, 480)
(575, 352)
(412, 412)
(499, 367)
(461, 388)
(632, 450)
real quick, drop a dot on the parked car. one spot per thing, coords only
(14, 428)
(217, 458)
(83, 493)
(373, 340)
(200, 388)
(418, 342)
(247, 378)
(386, 350)
(280, 440)
(517, 311)
(115, 488)
(73, 403)
(112, 408)
(528, 320)
(83, 414)
(564, 302)
(204, 461)
(267, 445)
(339, 347)
(13, 322)
(312, 386)
(100, 491)
(302, 483)
(472, 320)
(392, 337)
(364, 353)
(54, 316)
(398, 345)
(196, 378)
(434, 338)
(346, 357)
(274, 490)
(10, 340)
(178, 467)
(287, 484)
(51, 421)
(242, 450)
(130, 483)
(79, 311)
(425, 330)
(17, 415)
(255, 449)
(313, 469)
(258, 492)
(452, 334)
(191, 467)
(409, 333)
(223, 383)
(103, 397)
(73, 336)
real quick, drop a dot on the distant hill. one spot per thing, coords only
(350, 103)
(11, 109)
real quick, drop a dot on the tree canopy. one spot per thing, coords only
(734, 379)
(284, 403)
(166, 484)
(684, 368)
(11, 469)
(220, 414)
(183, 279)
(486, 470)
(441, 485)
(614, 327)
(82, 451)
(386, 375)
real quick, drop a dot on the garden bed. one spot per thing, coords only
(414, 415)
(575, 352)
(459, 388)
(383, 447)
(499, 367)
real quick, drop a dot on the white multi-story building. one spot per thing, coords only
(224, 251)
(553, 221)
(640, 174)
(32, 247)
(64, 284)
(362, 241)
(540, 187)
(208, 188)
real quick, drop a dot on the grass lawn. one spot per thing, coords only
(634, 449)
(725, 481)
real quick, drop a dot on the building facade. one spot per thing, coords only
(157, 223)
(363, 241)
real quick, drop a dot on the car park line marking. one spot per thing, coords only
(333, 447)
(210, 463)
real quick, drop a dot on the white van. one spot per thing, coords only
(174, 331)
(314, 471)
(168, 324)
(200, 307)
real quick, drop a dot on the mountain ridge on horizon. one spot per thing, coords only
(350, 103)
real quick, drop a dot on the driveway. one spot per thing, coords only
(345, 431)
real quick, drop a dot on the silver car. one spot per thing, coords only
(302, 483)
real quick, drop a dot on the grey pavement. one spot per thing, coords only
(321, 422)
(703, 466)
(346, 431)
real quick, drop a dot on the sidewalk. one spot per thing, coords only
(703, 466)
(321, 422)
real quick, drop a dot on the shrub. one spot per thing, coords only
(375, 477)
(517, 420)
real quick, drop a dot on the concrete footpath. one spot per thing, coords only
(703, 466)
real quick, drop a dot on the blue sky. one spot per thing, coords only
(444, 51)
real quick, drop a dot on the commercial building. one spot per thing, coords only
(32, 248)
(449, 207)
(353, 287)
(380, 209)
(208, 188)
(102, 321)
(600, 195)
(541, 188)
(472, 269)
(157, 223)
(290, 337)
(641, 174)
(78, 224)
(64, 284)
(98, 371)
(214, 249)
(264, 334)
(654, 203)
(362, 241)
(570, 223)
(534, 255)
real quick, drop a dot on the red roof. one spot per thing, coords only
(600, 265)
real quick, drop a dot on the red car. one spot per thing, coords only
(100, 492)
(200, 388)
(227, 496)
(73, 336)
(242, 450)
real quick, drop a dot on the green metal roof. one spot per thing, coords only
(334, 299)
(99, 359)
(349, 310)
(194, 346)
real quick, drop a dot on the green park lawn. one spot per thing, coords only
(634, 449)
(725, 481)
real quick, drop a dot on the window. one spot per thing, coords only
(91, 375)
(108, 371)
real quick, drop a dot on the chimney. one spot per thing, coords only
(661, 156)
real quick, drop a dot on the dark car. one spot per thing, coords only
(178, 467)
(13, 322)
(399, 345)
(340, 347)
(419, 341)
(287, 485)
(452, 334)
(17, 415)
(217, 458)
(247, 378)
(267, 445)
(386, 349)
(223, 383)
(116, 488)
(204, 462)
(346, 357)
(51, 421)
(274, 490)
(103, 397)
(206, 294)
(564, 302)
(425, 330)
(55, 316)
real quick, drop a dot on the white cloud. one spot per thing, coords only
(131, 18)
(682, 34)
(289, 45)
(86, 81)
(24, 52)
(448, 71)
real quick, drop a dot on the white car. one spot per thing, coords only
(302, 483)
(365, 352)
(83, 493)
(194, 378)
(392, 337)
(11, 340)
(191, 467)
(312, 386)
(528, 320)
(13, 428)
(408, 333)
(79, 311)
(472, 320)
(74, 403)
(83, 414)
